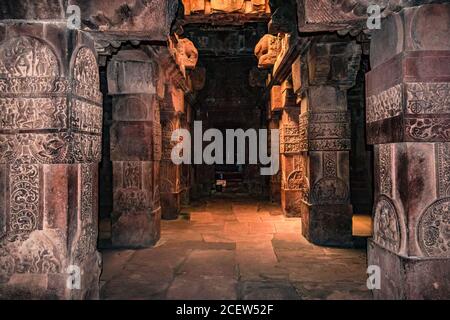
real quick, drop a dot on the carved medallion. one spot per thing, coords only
(386, 225)
(434, 229)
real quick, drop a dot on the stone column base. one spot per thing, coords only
(170, 205)
(328, 225)
(290, 203)
(409, 277)
(139, 229)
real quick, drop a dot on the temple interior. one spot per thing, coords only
(348, 101)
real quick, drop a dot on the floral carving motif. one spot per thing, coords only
(329, 164)
(86, 243)
(428, 129)
(385, 160)
(443, 170)
(384, 105)
(430, 97)
(24, 215)
(433, 229)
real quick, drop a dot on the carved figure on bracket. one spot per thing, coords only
(186, 53)
(267, 51)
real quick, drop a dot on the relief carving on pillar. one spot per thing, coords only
(24, 215)
(330, 189)
(443, 169)
(28, 58)
(290, 139)
(384, 105)
(325, 131)
(86, 117)
(168, 127)
(428, 97)
(130, 196)
(45, 148)
(297, 180)
(433, 229)
(86, 243)
(33, 113)
(303, 125)
(385, 163)
(86, 77)
(267, 51)
(132, 174)
(427, 129)
(38, 253)
(28, 65)
(387, 225)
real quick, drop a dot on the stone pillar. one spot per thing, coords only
(135, 150)
(171, 188)
(330, 68)
(408, 121)
(50, 145)
(291, 185)
(275, 180)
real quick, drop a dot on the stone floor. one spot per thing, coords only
(234, 249)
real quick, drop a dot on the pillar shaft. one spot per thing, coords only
(135, 150)
(171, 173)
(50, 144)
(408, 94)
(329, 69)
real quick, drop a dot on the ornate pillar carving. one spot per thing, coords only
(408, 95)
(135, 149)
(290, 162)
(50, 143)
(330, 69)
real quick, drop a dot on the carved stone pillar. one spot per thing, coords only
(50, 142)
(135, 150)
(290, 163)
(171, 187)
(326, 211)
(408, 121)
(275, 180)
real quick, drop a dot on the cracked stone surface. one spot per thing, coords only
(234, 249)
